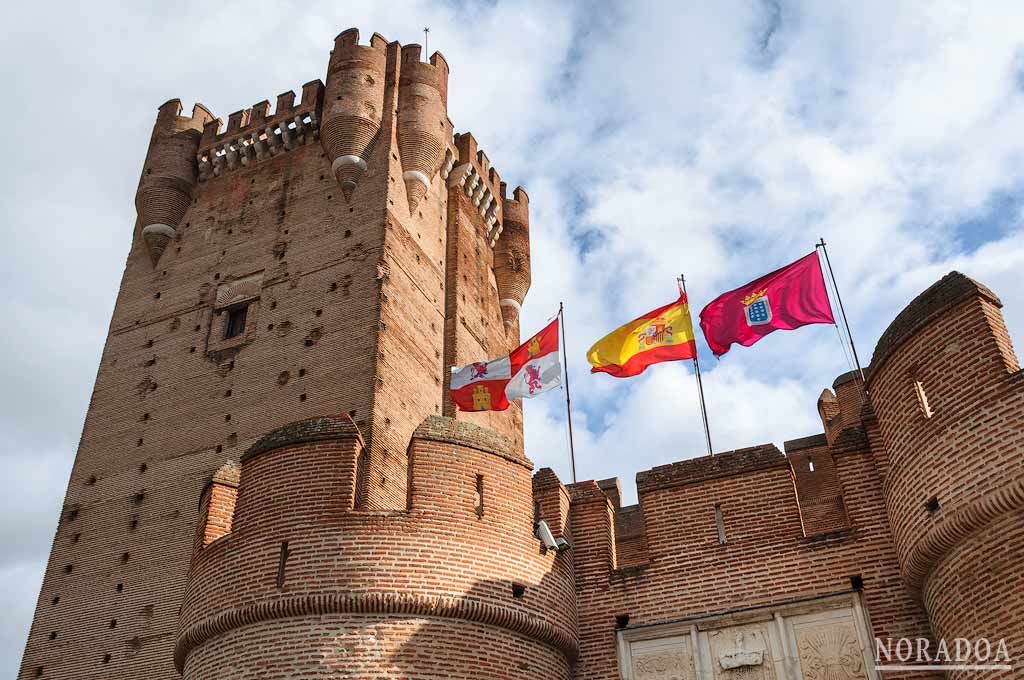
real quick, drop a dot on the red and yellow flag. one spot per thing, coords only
(664, 334)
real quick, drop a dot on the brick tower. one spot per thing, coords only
(949, 394)
(268, 448)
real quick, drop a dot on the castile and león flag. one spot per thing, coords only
(531, 369)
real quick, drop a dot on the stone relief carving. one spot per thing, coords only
(664, 664)
(830, 653)
(741, 653)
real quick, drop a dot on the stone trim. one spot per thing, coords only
(964, 521)
(451, 431)
(944, 294)
(324, 428)
(407, 604)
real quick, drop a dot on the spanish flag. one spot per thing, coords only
(665, 334)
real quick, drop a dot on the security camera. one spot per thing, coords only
(549, 540)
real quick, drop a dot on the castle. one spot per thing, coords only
(271, 482)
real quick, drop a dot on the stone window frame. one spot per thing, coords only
(778, 618)
(248, 290)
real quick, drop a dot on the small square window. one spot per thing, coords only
(236, 322)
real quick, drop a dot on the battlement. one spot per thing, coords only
(255, 133)
(479, 181)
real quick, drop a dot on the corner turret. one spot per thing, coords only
(512, 257)
(169, 174)
(353, 104)
(422, 112)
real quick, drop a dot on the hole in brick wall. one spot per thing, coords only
(113, 623)
(56, 599)
(177, 249)
(68, 568)
(119, 587)
(321, 176)
(76, 538)
(156, 295)
(273, 304)
(352, 414)
(139, 497)
(227, 417)
(145, 417)
(142, 468)
(227, 393)
(149, 343)
(138, 443)
(197, 328)
(191, 350)
(270, 326)
(318, 312)
(231, 231)
(150, 362)
(329, 197)
(134, 524)
(219, 448)
(39, 671)
(283, 378)
(348, 232)
(106, 658)
(857, 582)
(334, 287)
(621, 621)
(91, 480)
(932, 505)
(72, 515)
(518, 590)
(125, 557)
(302, 397)
(53, 635)
(232, 439)
(351, 209)
(302, 372)
(216, 277)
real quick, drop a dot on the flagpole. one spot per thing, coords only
(568, 401)
(696, 370)
(842, 310)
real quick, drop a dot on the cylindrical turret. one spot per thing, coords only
(169, 174)
(948, 393)
(512, 258)
(306, 586)
(422, 112)
(353, 104)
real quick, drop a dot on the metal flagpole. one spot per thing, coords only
(568, 401)
(696, 370)
(842, 310)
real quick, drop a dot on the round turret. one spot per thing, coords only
(305, 585)
(422, 116)
(949, 394)
(353, 105)
(169, 174)
(512, 257)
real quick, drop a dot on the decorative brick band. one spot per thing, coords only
(451, 431)
(964, 522)
(325, 428)
(405, 604)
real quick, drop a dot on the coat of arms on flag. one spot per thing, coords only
(757, 309)
(531, 369)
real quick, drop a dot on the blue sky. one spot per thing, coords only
(716, 139)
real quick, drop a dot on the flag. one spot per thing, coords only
(531, 369)
(787, 298)
(664, 334)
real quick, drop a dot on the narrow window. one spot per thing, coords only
(361, 480)
(236, 321)
(932, 505)
(922, 398)
(282, 560)
(479, 495)
(720, 524)
(810, 466)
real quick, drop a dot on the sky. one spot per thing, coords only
(719, 140)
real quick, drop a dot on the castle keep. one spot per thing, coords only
(272, 483)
